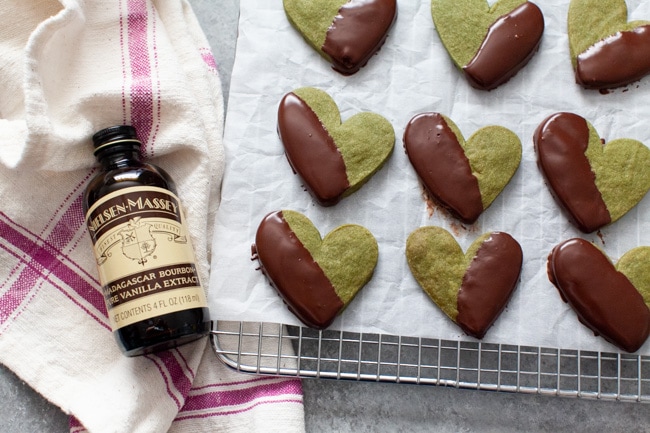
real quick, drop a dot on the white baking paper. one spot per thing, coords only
(411, 74)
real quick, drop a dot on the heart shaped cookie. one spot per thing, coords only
(333, 159)
(471, 288)
(317, 278)
(606, 50)
(345, 32)
(490, 44)
(463, 177)
(611, 300)
(594, 184)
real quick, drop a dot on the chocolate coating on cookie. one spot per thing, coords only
(358, 31)
(603, 298)
(443, 167)
(488, 283)
(560, 142)
(510, 43)
(295, 275)
(311, 150)
(615, 61)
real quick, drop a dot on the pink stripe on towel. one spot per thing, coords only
(208, 59)
(141, 85)
(43, 260)
(221, 412)
(181, 377)
(244, 394)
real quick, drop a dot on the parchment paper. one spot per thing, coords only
(412, 74)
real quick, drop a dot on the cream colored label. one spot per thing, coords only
(144, 255)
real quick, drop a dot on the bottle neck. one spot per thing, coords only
(118, 158)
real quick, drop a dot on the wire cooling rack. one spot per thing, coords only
(285, 350)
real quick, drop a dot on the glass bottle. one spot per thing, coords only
(144, 255)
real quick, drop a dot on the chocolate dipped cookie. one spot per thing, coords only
(347, 33)
(594, 183)
(490, 44)
(472, 288)
(316, 277)
(606, 50)
(462, 176)
(333, 159)
(611, 300)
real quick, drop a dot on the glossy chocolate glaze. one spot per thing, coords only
(509, 44)
(311, 151)
(441, 164)
(603, 298)
(560, 142)
(291, 269)
(488, 283)
(358, 31)
(615, 61)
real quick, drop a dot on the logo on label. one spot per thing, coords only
(138, 242)
(135, 227)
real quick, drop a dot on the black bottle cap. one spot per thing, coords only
(119, 134)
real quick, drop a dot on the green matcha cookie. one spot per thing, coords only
(345, 32)
(606, 50)
(463, 176)
(489, 43)
(635, 265)
(472, 288)
(595, 184)
(317, 278)
(333, 159)
(611, 300)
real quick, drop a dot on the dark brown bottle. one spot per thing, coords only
(144, 255)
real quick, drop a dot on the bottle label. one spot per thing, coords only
(144, 255)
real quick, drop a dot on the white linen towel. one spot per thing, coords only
(67, 69)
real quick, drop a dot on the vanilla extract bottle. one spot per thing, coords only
(144, 255)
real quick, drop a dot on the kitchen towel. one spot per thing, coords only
(67, 69)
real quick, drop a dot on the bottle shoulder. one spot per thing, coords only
(111, 180)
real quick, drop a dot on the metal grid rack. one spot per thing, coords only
(285, 350)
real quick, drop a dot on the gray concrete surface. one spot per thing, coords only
(335, 406)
